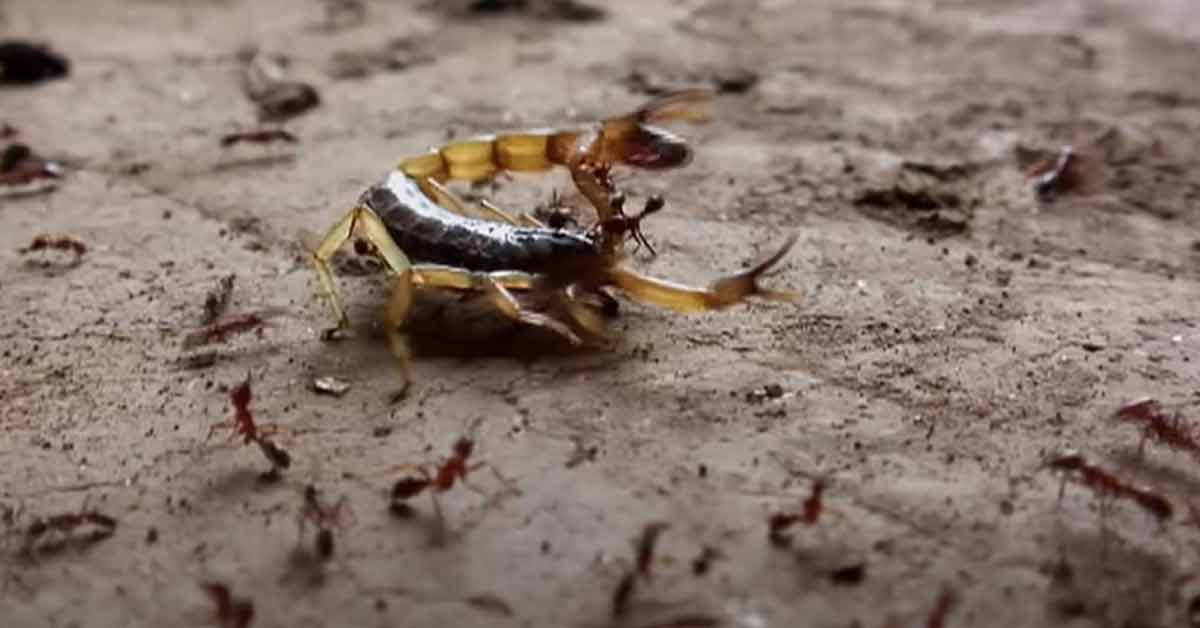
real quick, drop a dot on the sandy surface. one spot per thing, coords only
(955, 331)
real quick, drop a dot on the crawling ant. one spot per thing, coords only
(450, 471)
(224, 326)
(258, 136)
(813, 506)
(244, 426)
(644, 546)
(1106, 484)
(325, 517)
(555, 214)
(1157, 425)
(103, 525)
(621, 224)
(232, 611)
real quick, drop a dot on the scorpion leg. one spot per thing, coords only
(583, 314)
(444, 197)
(362, 219)
(396, 315)
(507, 303)
(438, 276)
(496, 285)
(722, 293)
(520, 220)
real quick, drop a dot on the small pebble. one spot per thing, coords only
(329, 385)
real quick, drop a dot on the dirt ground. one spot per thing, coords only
(956, 331)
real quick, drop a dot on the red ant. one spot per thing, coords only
(67, 522)
(325, 518)
(1171, 431)
(1105, 484)
(451, 470)
(232, 612)
(222, 327)
(813, 507)
(620, 224)
(258, 136)
(555, 214)
(244, 426)
(645, 545)
(601, 181)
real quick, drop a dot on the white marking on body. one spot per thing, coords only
(406, 190)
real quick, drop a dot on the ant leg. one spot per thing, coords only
(375, 232)
(507, 304)
(722, 293)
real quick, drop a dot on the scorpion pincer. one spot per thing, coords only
(426, 236)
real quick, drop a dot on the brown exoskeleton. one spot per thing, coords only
(426, 237)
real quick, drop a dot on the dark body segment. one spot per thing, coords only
(431, 234)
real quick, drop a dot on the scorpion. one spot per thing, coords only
(426, 237)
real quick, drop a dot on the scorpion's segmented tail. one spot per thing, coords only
(629, 139)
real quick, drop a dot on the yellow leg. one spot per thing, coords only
(507, 303)
(395, 317)
(584, 315)
(496, 285)
(436, 276)
(364, 221)
(520, 220)
(444, 197)
(720, 294)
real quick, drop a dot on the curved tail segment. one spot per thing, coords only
(630, 139)
(722, 293)
(634, 140)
